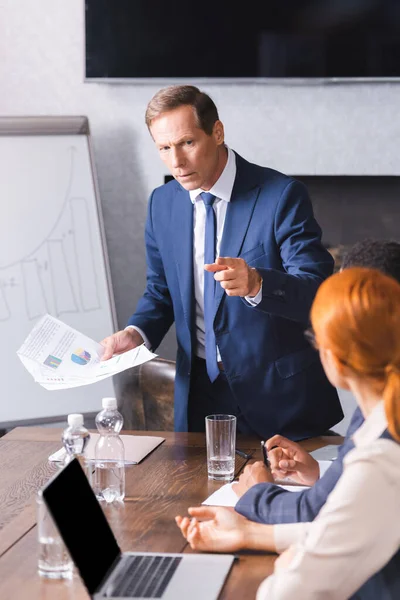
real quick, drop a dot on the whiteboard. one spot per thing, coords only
(53, 257)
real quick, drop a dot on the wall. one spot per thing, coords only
(331, 129)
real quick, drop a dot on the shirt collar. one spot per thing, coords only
(222, 189)
(373, 426)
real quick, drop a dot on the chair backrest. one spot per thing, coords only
(147, 396)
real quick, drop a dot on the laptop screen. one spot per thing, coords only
(82, 524)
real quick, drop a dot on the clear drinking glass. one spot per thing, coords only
(221, 442)
(54, 561)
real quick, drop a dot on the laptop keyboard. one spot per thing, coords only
(144, 576)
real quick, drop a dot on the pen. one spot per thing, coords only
(265, 455)
(243, 454)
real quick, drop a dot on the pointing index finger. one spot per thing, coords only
(227, 261)
(214, 268)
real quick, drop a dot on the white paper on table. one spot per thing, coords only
(294, 488)
(328, 452)
(59, 357)
(136, 448)
(225, 496)
(323, 467)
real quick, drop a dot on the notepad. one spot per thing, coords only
(225, 495)
(328, 452)
(137, 447)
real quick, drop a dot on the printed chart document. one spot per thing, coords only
(58, 357)
(136, 448)
(225, 496)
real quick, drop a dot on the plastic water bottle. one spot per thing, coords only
(109, 470)
(75, 439)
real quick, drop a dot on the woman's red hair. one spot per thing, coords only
(356, 314)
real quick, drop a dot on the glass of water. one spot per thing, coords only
(54, 561)
(221, 443)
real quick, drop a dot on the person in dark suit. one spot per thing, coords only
(263, 501)
(234, 259)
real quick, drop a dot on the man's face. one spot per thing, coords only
(195, 159)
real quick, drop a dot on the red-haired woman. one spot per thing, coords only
(352, 548)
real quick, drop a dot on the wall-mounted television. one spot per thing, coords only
(249, 41)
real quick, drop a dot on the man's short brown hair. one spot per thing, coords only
(175, 96)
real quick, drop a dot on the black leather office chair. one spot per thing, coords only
(146, 398)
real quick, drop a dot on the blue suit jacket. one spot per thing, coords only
(268, 503)
(275, 375)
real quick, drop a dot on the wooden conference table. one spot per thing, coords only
(168, 481)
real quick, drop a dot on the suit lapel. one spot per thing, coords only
(237, 221)
(182, 219)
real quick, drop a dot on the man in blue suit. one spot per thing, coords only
(234, 258)
(263, 501)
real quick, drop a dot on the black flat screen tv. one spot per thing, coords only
(226, 41)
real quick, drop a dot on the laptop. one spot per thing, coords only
(109, 573)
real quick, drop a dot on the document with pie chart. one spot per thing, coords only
(59, 357)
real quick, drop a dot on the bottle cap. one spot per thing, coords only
(75, 420)
(110, 403)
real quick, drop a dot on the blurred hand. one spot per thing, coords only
(252, 474)
(222, 530)
(235, 276)
(289, 459)
(120, 342)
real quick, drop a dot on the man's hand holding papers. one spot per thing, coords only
(120, 342)
(59, 357)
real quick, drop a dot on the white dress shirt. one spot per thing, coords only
(357, 531)
(222, 190)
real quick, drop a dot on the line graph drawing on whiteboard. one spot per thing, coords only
(49, 267)
(5, 312)
(53, 257)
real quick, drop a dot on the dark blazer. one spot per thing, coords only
(269, 503)
(275, 375)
